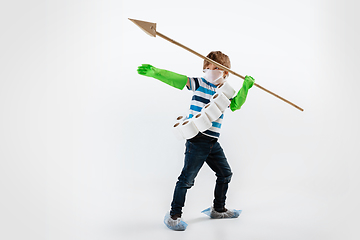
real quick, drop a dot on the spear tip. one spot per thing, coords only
(148, 27)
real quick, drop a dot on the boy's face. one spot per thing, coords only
(213, 67)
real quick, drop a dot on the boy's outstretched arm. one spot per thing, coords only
(173, 79)
(240, 97)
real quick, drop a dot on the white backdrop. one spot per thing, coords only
(86, 145)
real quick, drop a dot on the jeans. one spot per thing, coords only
(202, 149)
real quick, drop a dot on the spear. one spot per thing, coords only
(150, 28)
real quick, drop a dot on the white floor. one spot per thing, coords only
(104, 208)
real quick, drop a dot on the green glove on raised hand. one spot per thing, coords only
(173, 79)
(240, 97)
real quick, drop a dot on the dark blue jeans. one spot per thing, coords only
(202, 149)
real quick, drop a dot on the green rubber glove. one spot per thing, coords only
(240, 97)
(173, 79)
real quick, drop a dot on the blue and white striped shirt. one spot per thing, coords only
(203, 91)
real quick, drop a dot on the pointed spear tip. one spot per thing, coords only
(148, 27)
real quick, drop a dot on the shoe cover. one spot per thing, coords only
(177, 225)
(230, 213)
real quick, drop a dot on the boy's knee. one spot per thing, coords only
(225, 179)
(185, 182)
(228, 178)
(189, 184)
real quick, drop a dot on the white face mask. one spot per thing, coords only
(214, 76)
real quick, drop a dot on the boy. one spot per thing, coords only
(204, 147)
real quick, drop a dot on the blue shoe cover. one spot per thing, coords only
(177, 225)
(230, 213)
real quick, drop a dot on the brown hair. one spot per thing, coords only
(218, 57)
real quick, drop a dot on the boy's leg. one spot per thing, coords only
(218, 163)
(195, 155)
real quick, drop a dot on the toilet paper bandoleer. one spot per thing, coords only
(201, 127)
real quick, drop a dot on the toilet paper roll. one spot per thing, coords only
(212, 111)
(177, 131)
(226, 89)
(202, 122)
(180, 118)
(221, 101)
(189, 129)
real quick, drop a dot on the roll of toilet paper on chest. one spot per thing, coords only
(202, 121)
(226, 89)
(221, 101)
(176, 127)
(180, 118)
(189, 129)
(177, 132)
(212, 111)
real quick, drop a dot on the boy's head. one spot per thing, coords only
(218, 57)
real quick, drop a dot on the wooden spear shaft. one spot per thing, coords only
(222, 67)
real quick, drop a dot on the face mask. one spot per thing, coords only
(214, 76)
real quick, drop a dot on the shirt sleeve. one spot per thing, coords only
(194, 84)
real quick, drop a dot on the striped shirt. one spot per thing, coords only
(203, 91)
